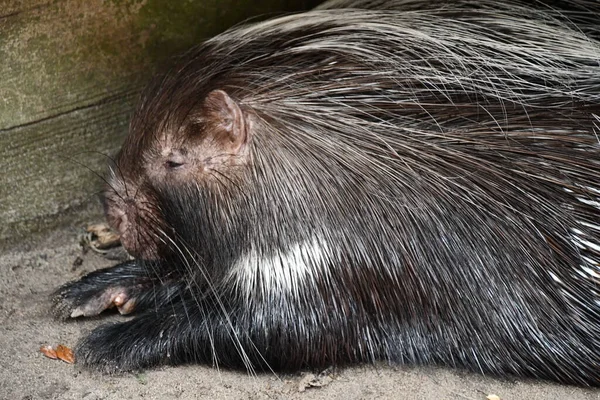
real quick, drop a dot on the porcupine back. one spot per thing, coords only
(423, 186)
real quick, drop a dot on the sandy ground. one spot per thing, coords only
(29, 272)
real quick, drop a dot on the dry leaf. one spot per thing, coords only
(102, 237)
(64, 353)
(312, 380)
(49, 352)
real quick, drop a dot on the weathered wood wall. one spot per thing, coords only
(70, 73)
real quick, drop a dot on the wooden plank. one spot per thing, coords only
(71, 72)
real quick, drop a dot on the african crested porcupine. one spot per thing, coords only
(408, 180)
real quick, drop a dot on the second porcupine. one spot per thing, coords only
(409, 181)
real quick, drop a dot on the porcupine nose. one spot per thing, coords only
(117, 215)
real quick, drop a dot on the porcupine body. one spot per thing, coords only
(409, 181)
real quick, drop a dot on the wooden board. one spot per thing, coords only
(71, 71)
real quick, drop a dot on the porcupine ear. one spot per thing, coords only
(229, 127)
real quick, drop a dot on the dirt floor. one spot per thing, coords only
(29, 272)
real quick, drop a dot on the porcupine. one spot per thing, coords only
(408, 181)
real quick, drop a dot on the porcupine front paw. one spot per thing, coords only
(125, 286)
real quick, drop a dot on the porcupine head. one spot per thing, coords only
(180, 177)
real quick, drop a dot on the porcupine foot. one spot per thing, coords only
(129, 286)
(188, 329)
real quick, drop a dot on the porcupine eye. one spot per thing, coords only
(173, 164)
(176, 159)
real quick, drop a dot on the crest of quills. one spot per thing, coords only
(406, 180)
